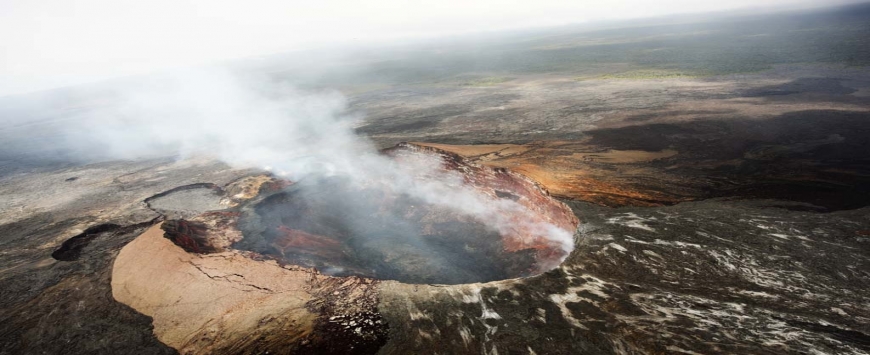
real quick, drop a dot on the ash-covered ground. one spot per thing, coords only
(720, 171)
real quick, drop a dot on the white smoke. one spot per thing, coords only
(254, 122)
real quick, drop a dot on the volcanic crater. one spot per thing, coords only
(342, 228)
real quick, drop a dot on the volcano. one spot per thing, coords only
(307, 260)
(344, 228)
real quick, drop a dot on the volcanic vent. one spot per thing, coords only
(343, 227)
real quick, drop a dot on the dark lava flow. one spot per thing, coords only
(342, 230)
(71, 249)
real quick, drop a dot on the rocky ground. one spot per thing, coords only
(718, 276)
(700, 277)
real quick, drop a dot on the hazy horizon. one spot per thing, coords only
(84, 42)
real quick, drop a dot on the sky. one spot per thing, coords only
(52, 43)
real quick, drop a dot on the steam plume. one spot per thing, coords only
(254, 122)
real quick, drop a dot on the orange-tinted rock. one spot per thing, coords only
(577, 170)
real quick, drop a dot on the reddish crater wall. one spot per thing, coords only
(503, 183)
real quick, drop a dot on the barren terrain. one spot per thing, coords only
(719, 171)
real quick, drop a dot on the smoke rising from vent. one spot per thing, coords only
(254, 122)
